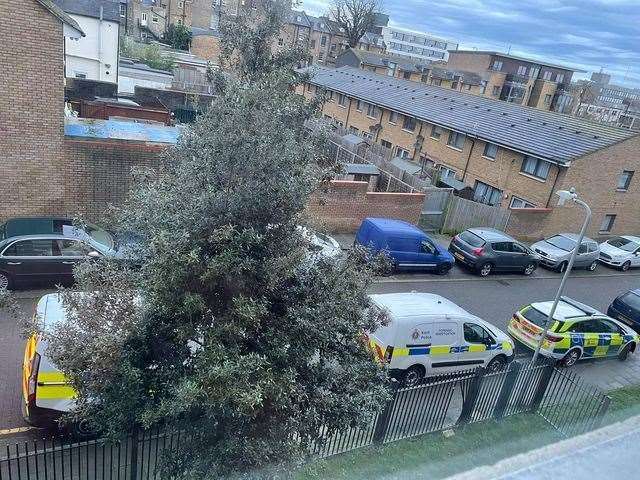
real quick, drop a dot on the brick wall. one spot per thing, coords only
(206, 47)
(346, 204)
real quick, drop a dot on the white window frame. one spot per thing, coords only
(371, 106)
(486, 146)
(403, 153)
(525, 204)
(383, 141)
(628, 175)
(359, 105)
(522, 70)
(342, 100)
(547, 75)
(407, 118)
(536, 169)
(436, 132)
(393, 117)
(454, 143)
(488, 189)
(608, 221)
(446, 172)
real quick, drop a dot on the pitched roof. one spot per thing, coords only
(516, 57)
(383, 59)
(550, 136)
(56, 11)
(91, 8)
(470, 78)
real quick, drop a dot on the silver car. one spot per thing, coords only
(555, 252)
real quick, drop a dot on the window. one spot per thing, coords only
(483, 87)
(502, 246)
(536, 167)
(520, 203)
(522, 70)
(80, 75)
(73, 248)
(123, 9)
(436, 81)
(333, 47)
(409, 124)
(181, 4)
(354, 130)
(583, 249)
(548, 98)
(323, 41)
(487, 194)
(607, 223)
(490, 150)
(144, 17)
(402, 153)
(496, 65)
(359, 105)
(624, 180)
(454, 85)
(372, 111)
(32, 248)
(456, 140)
(424, 78)
(476, 334)
(436, 132)
(560, 78)
(342, 100)
(393, 117)
(154, 19)
(467, 87)
(406, 75)
(280, 41)
(386, 144)
(496, 90)
(547, 75)
(312, 44)
(391, 69)
(446, 172)
(535, 71)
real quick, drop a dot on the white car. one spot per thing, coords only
(621, 252)
(321, 244)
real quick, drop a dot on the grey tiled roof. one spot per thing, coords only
(60, 14)
(91, 8)
(470, 78)
(550, 136)
(382, 60)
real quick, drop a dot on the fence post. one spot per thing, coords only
(469, 401)
(541, 388)
(382, 423)
(506, 390)
(133, 473)
(604, 406)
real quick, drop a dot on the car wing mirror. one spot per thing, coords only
(93, 254)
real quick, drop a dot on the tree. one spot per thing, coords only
(150, 55)
(178, 36)
(356, 17)
(230, 328)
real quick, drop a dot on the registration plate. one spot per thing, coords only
(459, 256)
(625, 319)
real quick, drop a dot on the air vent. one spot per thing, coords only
(528, 119)
(560, 127)
(504, 114)
(488, 109)
(544, 123)
(596, 137)
(578, 132)
(513, 125)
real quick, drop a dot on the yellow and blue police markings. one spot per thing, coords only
(448, 349)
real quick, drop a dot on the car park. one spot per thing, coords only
(429, 335)
(577, 331)
(626, 308)
(555, 252)
(486, 250)
(408, 247)
(621, 252)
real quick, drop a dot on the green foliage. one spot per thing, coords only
(178, 36)
(231, 328)
(149, 54)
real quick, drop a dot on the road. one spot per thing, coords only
(494, 299)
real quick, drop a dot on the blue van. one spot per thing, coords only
(626, 308)
(408, 246)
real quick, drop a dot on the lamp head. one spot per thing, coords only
(565, 195)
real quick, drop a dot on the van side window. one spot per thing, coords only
(402, 244)
(476, 334)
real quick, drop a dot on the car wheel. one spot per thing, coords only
(562, 267)
(624, 353)
(625, 266)
(593, 266)
(444, 268)
(497, 364)
(485, 269)
(412, 376)
(570, 359)
(529, 269)
(5, 281)
(82, 429)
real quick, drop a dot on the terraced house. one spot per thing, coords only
(512, 156)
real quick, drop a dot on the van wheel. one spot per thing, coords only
(5, 281)
(562, 267)
(593, 266)
(570, 359)
(625, 266)
(82, 429)
(624, 353)
(497, 364)
(412, 376)
(485, 269)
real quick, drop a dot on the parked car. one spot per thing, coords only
(429, 335)
(578, 331)
(626, 308)
(556, 251)
(486, 250)
(321, 244)
(30, 260)
(621, 252)
(408, 247)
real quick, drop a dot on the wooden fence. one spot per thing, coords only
(463, 214)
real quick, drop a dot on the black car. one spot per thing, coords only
(626, 308)
(30, 260)
(486, 250)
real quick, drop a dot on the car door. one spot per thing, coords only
(32, 261)
(503, 256)
(635, 258)
(427, 255)
(582, 258)
(476, 347)
(71, 253)
(610, 338)
(445, 342)
(521, 256)
(594, 252)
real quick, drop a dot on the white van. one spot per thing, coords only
(430, 335)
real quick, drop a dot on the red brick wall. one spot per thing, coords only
(346, 204)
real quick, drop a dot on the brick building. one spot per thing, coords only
(516, 79)
(511, 156)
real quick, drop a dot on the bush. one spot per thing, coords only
(150, 55)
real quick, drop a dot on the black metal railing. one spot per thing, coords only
(561, 397)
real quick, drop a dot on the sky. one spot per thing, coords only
(584, 34)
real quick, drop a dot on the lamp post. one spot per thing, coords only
(564, 196)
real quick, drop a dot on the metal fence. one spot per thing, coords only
(439, 403)
(463, 214)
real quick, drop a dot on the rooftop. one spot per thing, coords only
(516, 57)
(92, 129)
(550, 136)
(91, 8)
(61, 15)
(383, 59)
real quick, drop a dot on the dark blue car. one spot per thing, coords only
(626, 308)
(408, 247)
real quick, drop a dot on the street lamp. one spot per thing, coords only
(564, 197)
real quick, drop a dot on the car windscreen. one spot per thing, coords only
(619, 242)
(563, 243)
(534, 316)
(631, 299)
(471, 238)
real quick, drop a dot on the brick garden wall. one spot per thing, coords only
(346, 204)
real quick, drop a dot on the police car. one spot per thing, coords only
(577, 331)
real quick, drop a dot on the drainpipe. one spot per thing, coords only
(100, 43)
(466, 167)
(555, 181)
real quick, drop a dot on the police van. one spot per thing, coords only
(577, 331)
(430, 335)
(45, 390)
